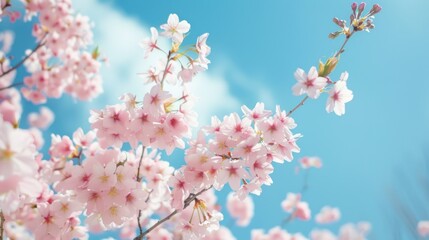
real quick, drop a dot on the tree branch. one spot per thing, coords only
(300, 104)
(138, 177)
(11, 86)
(2, 220)
(39, 45)
(187, 202)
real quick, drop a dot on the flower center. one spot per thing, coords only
(6, 154)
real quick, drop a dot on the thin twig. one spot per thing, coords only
(2, 220)
(138, 221)
(344, 44)
(164, 75)
(138, 177)
(11, 86)
(187, 202)
(300, 104)
(297, 106)
(39, 45)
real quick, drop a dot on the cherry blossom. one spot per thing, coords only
(310, 84)
(423, 228)
(296, 207)
(242, 210)
(339, 95)
(41, 120)
(149, 44)
(175, 29)
(328, 215)
(308, 162)
(318, 234)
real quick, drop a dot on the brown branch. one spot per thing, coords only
(138, 177)
(11, 86)
(2, 220)
(39, 45)
(187, 202)
(138, 221)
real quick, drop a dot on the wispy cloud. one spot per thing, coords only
(118, 36)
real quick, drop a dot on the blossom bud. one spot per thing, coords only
(354, 6)
(339, 22)
(334, 34)
(326, 68)
(352, 17)
(361, 7)
(95, 53)
(375, 9)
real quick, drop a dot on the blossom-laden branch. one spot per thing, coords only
(316, 82)
(17, 65)
(187, 202)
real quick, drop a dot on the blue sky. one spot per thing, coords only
(256, 47)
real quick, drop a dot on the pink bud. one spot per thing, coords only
(361, 7)
(337, 21)
(354, 6)
(375, 9)
(352, 17)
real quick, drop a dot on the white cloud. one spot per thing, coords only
(118, 36)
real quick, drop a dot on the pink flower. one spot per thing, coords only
(187, 74)
(302, 211)
(41, 120)
(423, 228)
(83, 140)
(242, 210)
(290, 202)
(328, 215)
(203, 50)
(339, 95)
(149, 44)
(175, 29)
(310, 84)
(232, 172)
(17, 152)
(222, 234)
(296, 207)
(351, 231)
(103, 177)
(257, 113)
(308, 162)
(318, 234)
(61, 147)
(153, 102)
(6, 38)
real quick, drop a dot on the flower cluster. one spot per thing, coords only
(60, 62)
(358, 21)
(298, 209)
(239, 151)
(313, 85)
